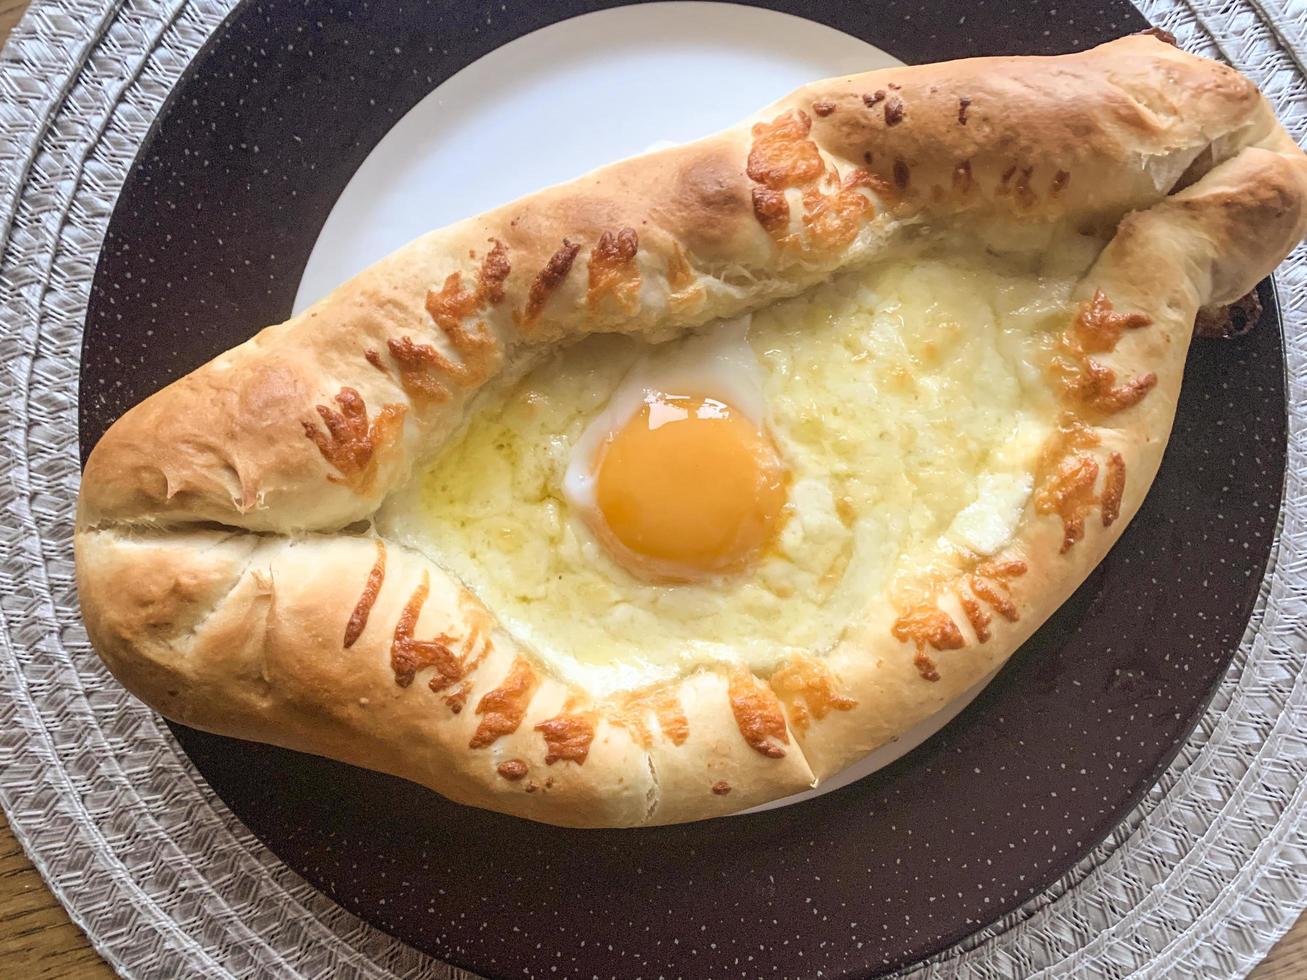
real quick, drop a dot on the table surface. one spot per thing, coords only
(37, 939)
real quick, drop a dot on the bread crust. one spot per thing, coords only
(220, 580)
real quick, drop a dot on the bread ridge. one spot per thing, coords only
(240, 629)
(226, 442)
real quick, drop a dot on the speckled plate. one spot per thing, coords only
(209, 242)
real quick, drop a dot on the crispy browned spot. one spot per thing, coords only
(927, 625)
(613, 270)
(1060, 180)
(782, 155)
(375, 360)
(493, 273)
(721, 787)
(1069, 493)
(451, 304)
(902, 175)
(874, 99)
(1084, 380)
(350, 443)
(548, 279)
(503, 708)
(1070, 436)
(479, 349)
(568, 737)
(371, 589)
(1098, 327)
(1093, 385)
(1066, 477)
(758, 714)
(1003, 568)
(456, 698)
(408, 655)
(1060, 456)
(1113, 489)
(671, 718)
(823, 108)
(975, 582)
(422, 368)
(632, 709)
(475, 647)
(807, 686)
(977, 616)
(1120, 397)
(833, 220)
(772, 211)
(926, 666)
(962, 177)
(512, 769)
(894, 111)
(994, 593)
(963, 104)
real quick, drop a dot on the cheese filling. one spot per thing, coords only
(906, 402)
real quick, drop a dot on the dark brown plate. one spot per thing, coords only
(884, 872)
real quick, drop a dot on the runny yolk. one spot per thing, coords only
(688, 487)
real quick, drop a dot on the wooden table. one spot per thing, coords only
(37, 939)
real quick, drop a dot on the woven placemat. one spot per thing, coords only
(1200, 880)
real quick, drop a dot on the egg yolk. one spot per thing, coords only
(688, 487)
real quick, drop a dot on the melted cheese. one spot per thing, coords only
(908, 401)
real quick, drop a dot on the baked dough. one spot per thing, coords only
(230, 575)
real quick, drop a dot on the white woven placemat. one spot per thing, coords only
(1200, 880)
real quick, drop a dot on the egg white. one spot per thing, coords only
(716, 362)
(908, 403)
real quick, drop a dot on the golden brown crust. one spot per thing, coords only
(758, 715)
(613, 270)
(809, 690)
(503, 709)
(322, 641)
(409, 655)
(923, 626)
(548, 279)
(659, 703)
(512, 769)
(358, 619)
(568, 737)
